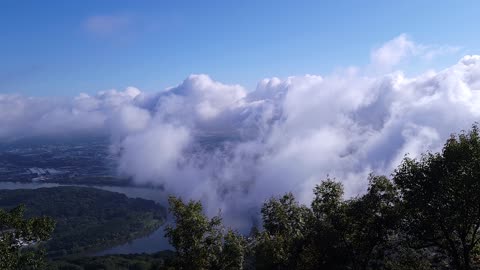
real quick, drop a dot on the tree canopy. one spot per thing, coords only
(426, 217)
(200, 242)
(20, 237)
(441, 198)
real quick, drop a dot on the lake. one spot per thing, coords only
(148, 244)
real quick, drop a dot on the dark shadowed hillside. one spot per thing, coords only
(87, 219)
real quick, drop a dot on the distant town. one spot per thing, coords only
(64, 161)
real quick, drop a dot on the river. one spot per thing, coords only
(148, 244)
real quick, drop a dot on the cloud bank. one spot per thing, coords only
(233, 148)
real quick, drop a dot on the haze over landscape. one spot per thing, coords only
(232, 134)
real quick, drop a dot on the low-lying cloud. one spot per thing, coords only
(233, 148)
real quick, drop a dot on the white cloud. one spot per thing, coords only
(153, 153)
(232, 148)
(401, 48)
(392, 52)
(431, 52)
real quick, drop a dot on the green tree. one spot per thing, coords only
(327, 242)
(372, 221)
(234, 250)
(200, 242)
(441, 195)
(285, 223)
(19, 238)
(351, 234)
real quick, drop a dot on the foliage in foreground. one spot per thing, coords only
(202, 243)
(428, 217)
(20, 237)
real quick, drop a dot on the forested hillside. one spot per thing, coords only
(86, 219)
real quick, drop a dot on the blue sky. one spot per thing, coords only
(62, 48)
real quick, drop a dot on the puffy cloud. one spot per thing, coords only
(22, 117)
(392, 52)
(199, 99)
(154, 153)
(233, 148)
(289, 134)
